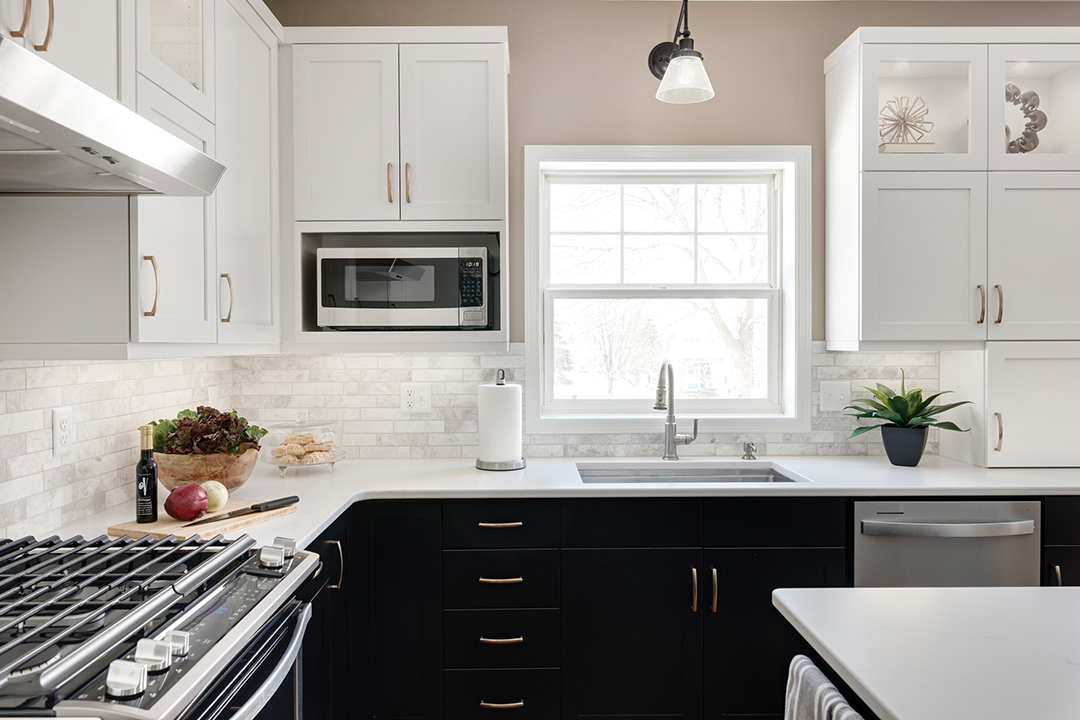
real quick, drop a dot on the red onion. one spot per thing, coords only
(186, 502)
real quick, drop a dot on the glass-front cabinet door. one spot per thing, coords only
(924, 107)
(175, 41)
(1034, 107)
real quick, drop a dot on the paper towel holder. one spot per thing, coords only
(500, 379)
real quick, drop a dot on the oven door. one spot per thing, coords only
(263, 681)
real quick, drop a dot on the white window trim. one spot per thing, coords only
(794, 170)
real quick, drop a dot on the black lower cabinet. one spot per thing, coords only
(397, 556)
(631, 638)
(1061, 565)
(748, 643)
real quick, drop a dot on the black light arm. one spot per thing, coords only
(661, 54)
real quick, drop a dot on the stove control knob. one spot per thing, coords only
(179, 640)
(286, 544)
(125, 679)
(271, 556)
(156, 655)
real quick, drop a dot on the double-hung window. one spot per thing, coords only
(696, 255)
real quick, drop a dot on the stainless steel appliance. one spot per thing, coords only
(947, 544)
(403, 288)
(155, 630)
(59, 135)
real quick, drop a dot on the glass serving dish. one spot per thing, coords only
(300, 444)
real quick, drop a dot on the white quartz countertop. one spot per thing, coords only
(324, 494)
(948, 653)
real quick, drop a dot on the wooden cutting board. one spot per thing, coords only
(165, 525)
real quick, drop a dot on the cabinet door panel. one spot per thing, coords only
(12, 13)
(175, 49)
(1033, 256)
(1061, 566)
(84, 42)
(453, 131)
(247, 227)
(924, 256)
(345, 128)
(1033, 432)
(326, 659)
(468, 576)
(748, 643)
(631, 642)
(179, 233)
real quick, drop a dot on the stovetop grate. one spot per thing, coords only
(63, 602)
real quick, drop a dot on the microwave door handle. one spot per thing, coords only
(261, 697)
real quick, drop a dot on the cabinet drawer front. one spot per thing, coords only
(501, 638)
(536, 690)
(775, 522)
(500, 578)
(631, 522)
(518, 523)
(1061, 521)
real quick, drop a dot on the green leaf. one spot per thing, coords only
(872, 403)
(860, 430)
(938, 409)
(889, 415)
(946, 425)
(926, 403)
(883, 390)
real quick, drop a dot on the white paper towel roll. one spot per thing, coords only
(500, 423)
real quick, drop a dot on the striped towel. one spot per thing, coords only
(810, 695)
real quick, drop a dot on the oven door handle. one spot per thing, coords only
(260, 697)
(947, 529)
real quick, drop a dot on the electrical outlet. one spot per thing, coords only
(416, 397)
(835, 395)
(63, 431)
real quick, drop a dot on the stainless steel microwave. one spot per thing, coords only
(402, 288)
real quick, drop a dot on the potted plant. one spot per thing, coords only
(908, 417)
(205, 444)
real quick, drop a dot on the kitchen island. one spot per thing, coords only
(948, 653)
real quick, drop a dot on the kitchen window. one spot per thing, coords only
(699, 255)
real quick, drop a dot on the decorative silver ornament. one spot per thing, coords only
(1036, 120)
(904, 121)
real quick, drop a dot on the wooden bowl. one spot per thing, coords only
(232, 471)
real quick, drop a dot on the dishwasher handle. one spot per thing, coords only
(948, 529)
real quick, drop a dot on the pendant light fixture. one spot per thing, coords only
(682, 74)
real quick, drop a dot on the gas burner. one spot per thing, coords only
(42, 659)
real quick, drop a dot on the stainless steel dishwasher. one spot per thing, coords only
(947, 544)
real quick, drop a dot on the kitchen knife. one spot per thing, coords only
(258, 507)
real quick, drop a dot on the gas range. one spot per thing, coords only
(149, 629)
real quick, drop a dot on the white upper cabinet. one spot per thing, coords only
(409, 131)
(923, 280)
(1033, 254)
(453, 132)
(13, 15)
(175, 49)
(345, 132)
(247, 196)
(937, 94)
(1035, 93)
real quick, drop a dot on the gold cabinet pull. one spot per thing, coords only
(693, 598)
(318, 570)
(341, 568)
(715, 589)
(408, 194)
(157, 285)
(389, 187)
(502, 706)
(1001, 432)
(982, 309)
(1001, 304)
(501, 525)
(1057, 575)
(44, 47)
(502, 581)
(232, 297)
(21, 32)
(508, 641)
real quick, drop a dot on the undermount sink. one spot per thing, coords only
(677, 472)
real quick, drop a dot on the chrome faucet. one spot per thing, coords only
(665, 400)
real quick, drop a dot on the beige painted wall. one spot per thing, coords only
(578, 74)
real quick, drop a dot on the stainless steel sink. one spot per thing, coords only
(678, 472)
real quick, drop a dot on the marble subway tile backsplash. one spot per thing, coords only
(361, 392)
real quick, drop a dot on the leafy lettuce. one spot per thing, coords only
(206, 431)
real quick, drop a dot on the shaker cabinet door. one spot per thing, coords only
(345, 132)
(924, 256)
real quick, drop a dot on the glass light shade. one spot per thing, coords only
(685, 81)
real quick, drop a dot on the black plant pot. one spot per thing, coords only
(904, 446)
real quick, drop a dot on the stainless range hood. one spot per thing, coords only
(59, 135)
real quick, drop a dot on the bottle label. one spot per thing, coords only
(144, 494)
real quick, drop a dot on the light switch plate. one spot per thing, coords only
(835, 395)
(63, 431)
